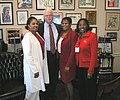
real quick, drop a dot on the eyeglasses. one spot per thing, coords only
(48, 15)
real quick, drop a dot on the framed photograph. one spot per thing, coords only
(91, 17)
(112, 36)
(13, 37)
(1, 34)
(112, 21)
(105, 47)
(94, 29)
(74, 16)
(24, 4)
(112, 4)
(39, 17)
(105, 63)
(43, 4)
(66, 4)
(6, 13)
(88, 4)
(57, 17)
(22, 17)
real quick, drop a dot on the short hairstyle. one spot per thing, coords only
(68, 19)
(46, 10)
(87, 23)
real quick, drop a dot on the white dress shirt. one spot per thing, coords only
(47, 35)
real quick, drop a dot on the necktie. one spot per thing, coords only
(52, 43)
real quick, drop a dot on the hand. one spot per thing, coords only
(67, 69)
(89, 76)
(36, 75)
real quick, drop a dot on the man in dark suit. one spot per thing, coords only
(52, 59)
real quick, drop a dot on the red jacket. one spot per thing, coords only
(67, 56)
(86, 53)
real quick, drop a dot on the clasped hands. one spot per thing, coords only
(67, 69)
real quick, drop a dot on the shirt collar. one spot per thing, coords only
(46, 24)
(87, 34)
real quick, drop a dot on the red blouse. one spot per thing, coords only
(41, 43)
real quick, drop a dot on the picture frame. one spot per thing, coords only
(66, 4)
(112, 5)
(112, 21)
(94, 30)
(57, 17)
(39, 17)
(74, 16)
(105, 47)
(13, 38)
(22, 16)
(87, 4)
(13, 32)
(112, 36)
(91, 17)
(105, 63)
(6, 19)
(43, 4)
(1, 34)
(24, 4)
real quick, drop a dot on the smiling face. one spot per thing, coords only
(33, 26)
(83, 27)
(48, 16)
(65, 25)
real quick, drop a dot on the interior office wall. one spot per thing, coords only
(101, 20)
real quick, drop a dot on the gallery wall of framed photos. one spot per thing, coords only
(103, 15)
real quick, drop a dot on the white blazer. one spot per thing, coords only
(34, 62)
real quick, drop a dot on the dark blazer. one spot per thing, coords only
(41, 29)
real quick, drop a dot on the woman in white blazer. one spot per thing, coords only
(35, 61)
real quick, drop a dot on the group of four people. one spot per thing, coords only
(74, 52)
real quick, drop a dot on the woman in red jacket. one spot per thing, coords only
(66, 43)
(86, 49)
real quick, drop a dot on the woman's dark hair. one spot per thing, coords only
(87, 23)
(68, 19)
(29, 21)
(4, 9)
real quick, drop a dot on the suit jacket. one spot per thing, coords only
(41, 29)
